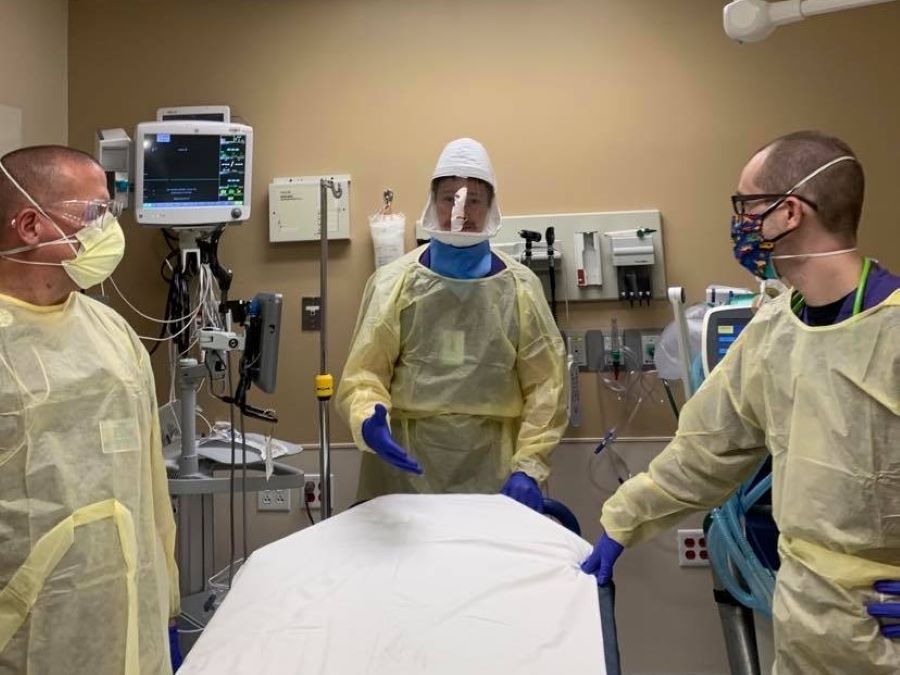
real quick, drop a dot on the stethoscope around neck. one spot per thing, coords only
(799, 303)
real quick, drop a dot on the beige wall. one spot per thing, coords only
(584, 105)
(33, 67)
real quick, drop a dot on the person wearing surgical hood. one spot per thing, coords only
(813, 381)
(88, 581)
(455, 381)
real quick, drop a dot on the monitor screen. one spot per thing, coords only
(721, 328)
(192, 173)
(726, 333)
(192, 170)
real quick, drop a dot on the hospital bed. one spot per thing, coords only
(417, 584)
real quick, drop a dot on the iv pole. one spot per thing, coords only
(324, 380)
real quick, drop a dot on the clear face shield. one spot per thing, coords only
(461, 211)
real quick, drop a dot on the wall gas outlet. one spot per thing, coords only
(642, 344)
(648, 350)
(575, 342)
(312, 491)
(605, 364)
(692, 550)
(273, 500)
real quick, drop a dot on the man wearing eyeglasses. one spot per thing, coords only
(87, 572)
(814, 380)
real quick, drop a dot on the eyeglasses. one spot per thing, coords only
(86, 212)
(739, 201)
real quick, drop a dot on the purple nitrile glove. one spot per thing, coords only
(377, 434)
(601, 560)
(525, 490)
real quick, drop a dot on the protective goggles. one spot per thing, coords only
(84, 213)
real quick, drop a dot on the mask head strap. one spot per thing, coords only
(23, 191)
(65, 238)
(826, 165)
(801, 183)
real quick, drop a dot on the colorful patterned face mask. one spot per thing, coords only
(751, 249)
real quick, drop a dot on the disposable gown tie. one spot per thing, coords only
(87, 572)
(472, 371)
(825, 401)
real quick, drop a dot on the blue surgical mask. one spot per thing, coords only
(470, 262)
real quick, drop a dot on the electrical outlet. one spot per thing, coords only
(692, 550)
(273, 500)
(312, 491)
(311, 314)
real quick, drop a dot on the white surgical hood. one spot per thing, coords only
(465, 158)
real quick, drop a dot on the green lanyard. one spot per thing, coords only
(799, 303)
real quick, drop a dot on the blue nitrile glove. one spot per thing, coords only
(174, 647)
(601, 560)
(887, 610)
(377, 435)
(525, 490)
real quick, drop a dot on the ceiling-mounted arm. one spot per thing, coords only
(754, 20)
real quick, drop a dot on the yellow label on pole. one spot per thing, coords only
(324, 386)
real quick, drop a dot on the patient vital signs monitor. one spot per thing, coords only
(721, 327)
(192, 173)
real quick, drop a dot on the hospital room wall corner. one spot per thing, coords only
(33, 73)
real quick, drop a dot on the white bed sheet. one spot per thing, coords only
(412, 584)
